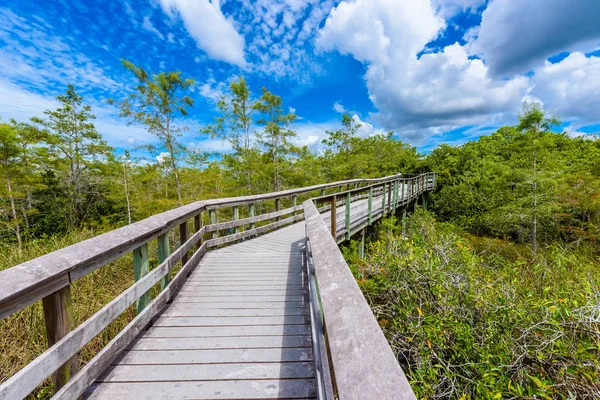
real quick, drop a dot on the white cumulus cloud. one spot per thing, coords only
(212, 31)
(515, 36)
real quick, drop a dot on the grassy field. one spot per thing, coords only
(471, 317)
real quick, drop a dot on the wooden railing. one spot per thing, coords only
(49, 278)
(353, 359)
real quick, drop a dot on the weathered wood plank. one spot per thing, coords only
(245, 389)
(232, 321)
(204, 312)
(238, 342)
(214, 356)
(203, 372)
(227, 331)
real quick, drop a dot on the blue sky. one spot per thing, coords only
(432, 71)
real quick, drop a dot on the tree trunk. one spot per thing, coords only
(127, 193)
(14, 210)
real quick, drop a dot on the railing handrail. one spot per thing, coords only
(32, 280)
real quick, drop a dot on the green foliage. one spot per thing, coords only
(470, 322)
(519, 180)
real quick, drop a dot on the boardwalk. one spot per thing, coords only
(239, 328)
(242, 319)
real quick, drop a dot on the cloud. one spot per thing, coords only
(292, 110)
(338, 108)
(515, 36)
(570, 88)
(32, 55)
(212, 31)
(416, 97)
(450, 8)
(147, 25)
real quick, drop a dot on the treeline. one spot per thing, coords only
(61, 175)
(521, 183)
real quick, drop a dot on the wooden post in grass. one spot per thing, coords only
(58, 315)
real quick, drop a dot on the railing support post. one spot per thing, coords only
(389, 200)
(395, 195)
(141, 267)
(213, 220)
(348, 216)
(183, 237)
(383, 201)
(164, 251)
(197, 227)
(236, 216)
(58, 315)
(333, 218)
(251, 214)
(294, 202)
(370, 205)
(278, 207)
(402, 196)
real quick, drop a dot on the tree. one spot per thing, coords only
(533, 121)
(10, 151)
(276, 132)
(234, 124)
(126, 163)
(156, 104)
(341, 140)
(74, 139)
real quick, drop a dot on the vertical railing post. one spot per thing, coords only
(348, 216)
(370, 205)
(212, 214)
(402, 196)
(389, 200)
(164, 250)
(251, 210)
(333, 218)
(395, 195)
(322, 192)
(58, 316)
(183, 237)
(278, 207)
(141, 266)
(197, 227)
(383, 201)
(236, 216)
(294, 202)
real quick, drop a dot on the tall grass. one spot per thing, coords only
(22, 335)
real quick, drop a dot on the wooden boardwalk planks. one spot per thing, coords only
(239, 328)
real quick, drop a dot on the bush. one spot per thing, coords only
(470, 321)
